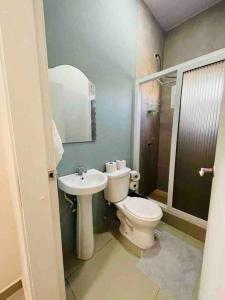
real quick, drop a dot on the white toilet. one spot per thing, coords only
(138, 216)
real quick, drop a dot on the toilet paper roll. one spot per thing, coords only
(110, 167)
(133, 185)
(134, 175)
(121, 164)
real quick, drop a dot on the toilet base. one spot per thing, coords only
(140, 235)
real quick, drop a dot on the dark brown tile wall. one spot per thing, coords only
(149, 138)
(165, 134)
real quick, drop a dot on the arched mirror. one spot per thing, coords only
(74, 104)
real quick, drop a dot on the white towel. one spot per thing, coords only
(58, 147)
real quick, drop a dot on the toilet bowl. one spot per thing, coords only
(138, 216)
(138, 219)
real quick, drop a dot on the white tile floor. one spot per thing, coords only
(111, 274)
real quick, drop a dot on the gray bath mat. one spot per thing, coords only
(173, 264)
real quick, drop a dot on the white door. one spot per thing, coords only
(24, 71)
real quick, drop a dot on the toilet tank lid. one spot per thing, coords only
(119, 173)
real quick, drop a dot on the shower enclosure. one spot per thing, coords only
(176, 123)
(202, 92)
(155, 136)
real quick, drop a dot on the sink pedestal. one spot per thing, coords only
(85, 236)
(91, 182)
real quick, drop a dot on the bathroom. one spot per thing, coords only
(136, 63)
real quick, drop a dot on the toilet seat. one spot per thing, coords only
(141, 208)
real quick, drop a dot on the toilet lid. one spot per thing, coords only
(142, 208)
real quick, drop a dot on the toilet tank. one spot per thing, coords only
(118, 185)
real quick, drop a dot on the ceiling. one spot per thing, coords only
(171, 13)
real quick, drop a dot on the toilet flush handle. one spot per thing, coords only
(202, 171)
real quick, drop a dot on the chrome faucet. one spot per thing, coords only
(80, 171)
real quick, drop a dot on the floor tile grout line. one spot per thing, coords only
(181, 235)
(95, 253)
(157, 293)
(185, 232)
(104, 246)
(68, 282)
(158, 289)
(184, 236)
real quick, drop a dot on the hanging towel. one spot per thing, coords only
(58, 147)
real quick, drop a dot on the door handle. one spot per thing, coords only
(202, 171)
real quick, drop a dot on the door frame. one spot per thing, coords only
(201, 61)
(38, 10)
(24, 73)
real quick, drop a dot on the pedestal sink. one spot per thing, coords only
(91, 182)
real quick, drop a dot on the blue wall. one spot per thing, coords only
(99, 38)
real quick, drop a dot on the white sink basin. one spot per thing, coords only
(93, 181)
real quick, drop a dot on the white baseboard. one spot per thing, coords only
(11, 289)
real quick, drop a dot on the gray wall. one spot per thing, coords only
(99, 38)
(198, 36)
(150, 40)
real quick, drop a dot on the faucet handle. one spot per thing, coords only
(80, 170)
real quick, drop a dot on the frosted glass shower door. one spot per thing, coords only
(201, 97)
